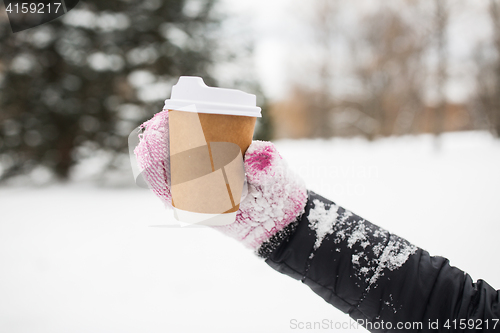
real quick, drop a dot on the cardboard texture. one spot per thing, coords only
(228, 128)
(206, 162)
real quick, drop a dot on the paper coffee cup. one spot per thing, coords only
(209, 131)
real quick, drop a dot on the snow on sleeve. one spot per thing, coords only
(322, 221)
(395, 254)
(372, 248)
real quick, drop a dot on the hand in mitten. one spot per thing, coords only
(276, 197)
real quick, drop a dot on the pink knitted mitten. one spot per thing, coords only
(276, 196)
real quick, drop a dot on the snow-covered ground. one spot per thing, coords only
(77, 258)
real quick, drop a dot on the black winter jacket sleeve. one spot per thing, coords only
(381, 280)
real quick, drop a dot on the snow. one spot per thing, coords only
(327, 221)
(395, 254)
(78, 258)
(358, 235)
(275, 198)
(322, 221)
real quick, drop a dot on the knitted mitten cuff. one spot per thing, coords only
(276, 198)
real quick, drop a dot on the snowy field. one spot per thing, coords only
(77, 258)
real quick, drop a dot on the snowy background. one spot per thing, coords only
(79, 258)
(82, 257)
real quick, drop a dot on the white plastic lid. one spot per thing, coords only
(191, 90)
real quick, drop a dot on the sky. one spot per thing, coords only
(280, 35)
(282, 41)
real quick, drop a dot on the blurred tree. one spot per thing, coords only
(81, 83)
(495, 107)
(316, 79)
(487, 59)
(324, 25)
(441, 23)
(391, 62)
(388, 64)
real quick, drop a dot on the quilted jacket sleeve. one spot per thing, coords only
(379, 279)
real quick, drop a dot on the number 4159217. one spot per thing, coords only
(477, 324)
(33, 8)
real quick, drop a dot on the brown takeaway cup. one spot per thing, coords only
(210, 130)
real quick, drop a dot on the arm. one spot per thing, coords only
(378, 277)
